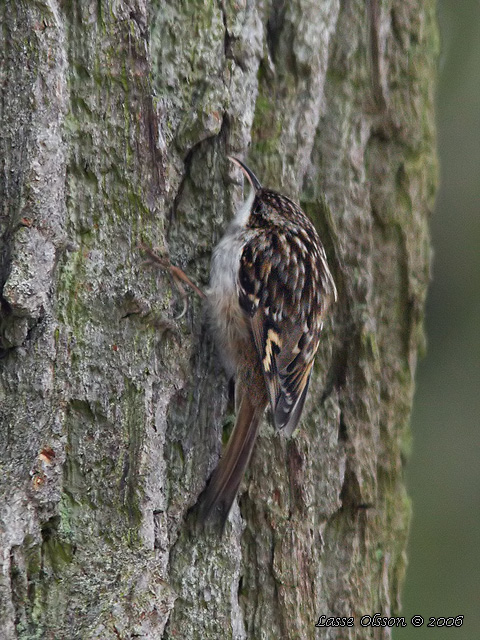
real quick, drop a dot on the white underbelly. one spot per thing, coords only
(229, 325)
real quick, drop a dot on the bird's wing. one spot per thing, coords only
(280, 291)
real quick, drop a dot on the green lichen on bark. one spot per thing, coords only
(116, 122)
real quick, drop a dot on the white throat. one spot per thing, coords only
(243, 213)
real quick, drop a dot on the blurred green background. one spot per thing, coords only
(443, 474)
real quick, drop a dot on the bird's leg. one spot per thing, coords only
(179, 277)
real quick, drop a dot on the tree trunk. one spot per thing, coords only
(116, 120)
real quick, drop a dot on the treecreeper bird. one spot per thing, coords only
(270, 288)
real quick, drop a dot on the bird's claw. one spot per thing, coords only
(179, 277)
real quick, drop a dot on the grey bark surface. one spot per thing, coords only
(116, 119)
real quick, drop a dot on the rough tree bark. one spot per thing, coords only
(116, 118)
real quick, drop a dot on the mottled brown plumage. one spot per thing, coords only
(270, 288)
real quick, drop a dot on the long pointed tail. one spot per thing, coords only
(217, 499)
